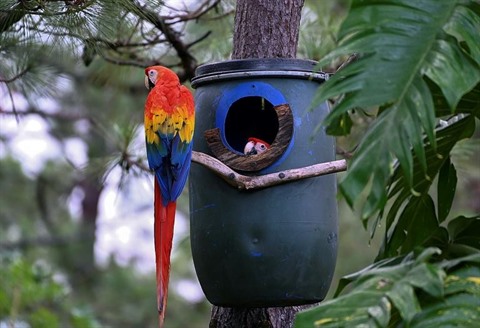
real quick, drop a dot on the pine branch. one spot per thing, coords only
(203, 37)
(12, 16)
(188, 62)
(204, 8)
(17, 76)
(9, 17)
(121, 50)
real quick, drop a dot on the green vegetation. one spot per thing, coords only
(405, 114)
(416, 76)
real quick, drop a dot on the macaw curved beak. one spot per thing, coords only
(249, 147)
(253, 151)
(147, 82)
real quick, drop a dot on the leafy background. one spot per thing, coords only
(75, 205)
(416, 70)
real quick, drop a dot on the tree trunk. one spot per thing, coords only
(86, 268)
(80, 253)
(266, 28)
(274, 317)
(263, 29)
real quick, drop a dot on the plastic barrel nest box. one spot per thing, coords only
(274, 246)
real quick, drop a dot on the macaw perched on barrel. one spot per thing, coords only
(169, 123)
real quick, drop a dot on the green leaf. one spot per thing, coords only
(469, 103)
(385, 140)
(456, 311)
(404, 299)
(463, 281)
(470, 260)
(43, 318)
(428, 278)
(464, 25)
(404, 46)
(344, 281)
(376, 290)
(461, 301)
(447, 184)
(362, 307)
(398, 218)
(424, 292)
(453, 70)
(80, 318)
(394, 38)
(415, 224)
(341, 126)
(465, 231)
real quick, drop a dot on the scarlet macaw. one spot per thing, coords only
(255, 146)
(169, 124)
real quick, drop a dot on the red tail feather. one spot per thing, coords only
(163, 232)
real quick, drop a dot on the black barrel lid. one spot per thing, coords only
(258, 67)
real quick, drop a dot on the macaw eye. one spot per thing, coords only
(263, 147)
(151, 73)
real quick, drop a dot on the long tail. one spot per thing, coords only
(163, 233)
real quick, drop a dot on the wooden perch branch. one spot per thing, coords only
(244, 182)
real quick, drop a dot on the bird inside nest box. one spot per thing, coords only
(275, 246)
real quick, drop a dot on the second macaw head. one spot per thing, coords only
(255, 146)
(158, 74)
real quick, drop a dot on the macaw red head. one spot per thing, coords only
(255, 146)
(159, 74)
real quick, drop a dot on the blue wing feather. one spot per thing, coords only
(170, 159)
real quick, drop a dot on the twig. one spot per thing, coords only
(244, 182)
(14, 107)
(201, 10)
(57, 115)
(125, 62)
(203, 37)
(353, 57)
(17, 76)
(188, 60)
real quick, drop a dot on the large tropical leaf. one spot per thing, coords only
(413, 292)
(412, 216)
(469, 104)
(405, 47)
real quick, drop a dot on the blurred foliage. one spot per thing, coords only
(31, 294)
(76, 66)
(319, 27)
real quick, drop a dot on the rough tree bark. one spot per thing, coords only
(263, 29)
(266, 29)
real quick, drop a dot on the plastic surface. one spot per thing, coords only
(251, 68)
(271, 247)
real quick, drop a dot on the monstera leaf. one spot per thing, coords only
(417, 60)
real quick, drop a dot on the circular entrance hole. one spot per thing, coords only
(250, 117)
